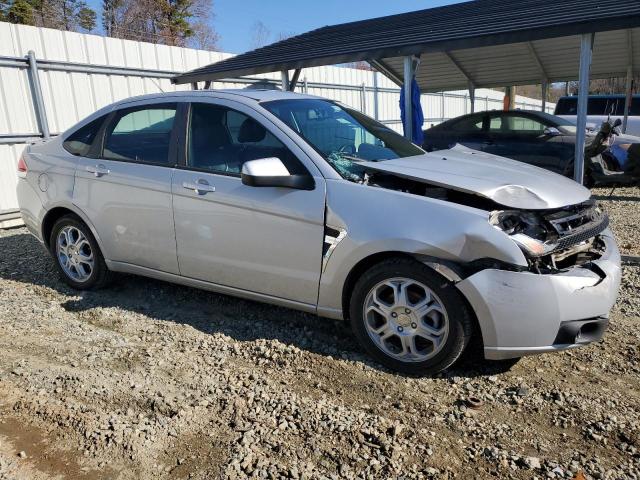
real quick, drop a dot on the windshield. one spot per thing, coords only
(343, 136)
(563, 124)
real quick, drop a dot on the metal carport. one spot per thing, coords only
(481, 43)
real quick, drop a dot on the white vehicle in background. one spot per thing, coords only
(601, 108)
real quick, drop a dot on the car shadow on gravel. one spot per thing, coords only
(617, 198)
(24, 259)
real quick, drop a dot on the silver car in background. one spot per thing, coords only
(302, 202)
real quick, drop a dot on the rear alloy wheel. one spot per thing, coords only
(74, 253)
(77, 255)
(409, 318)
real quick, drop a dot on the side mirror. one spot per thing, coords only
(271, 172)
(551, 131)
(617, 123)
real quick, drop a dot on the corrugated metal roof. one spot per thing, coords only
(487, 38)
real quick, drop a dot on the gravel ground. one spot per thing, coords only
(623, 207)
(147, 379)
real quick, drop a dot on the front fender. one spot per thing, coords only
(379, 220)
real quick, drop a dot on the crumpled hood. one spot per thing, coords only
(507, 182)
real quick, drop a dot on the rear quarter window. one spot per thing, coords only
(79, 143)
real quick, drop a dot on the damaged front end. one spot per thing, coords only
(551, 240)
(557, 296)
(557, 239)
(562, 300)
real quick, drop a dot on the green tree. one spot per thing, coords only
(174, 21)
(72, 15)
(21, 11)
(86, 18)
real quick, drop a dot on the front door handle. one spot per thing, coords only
(98, 170)
(201, 186)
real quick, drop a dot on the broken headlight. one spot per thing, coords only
(526, 229)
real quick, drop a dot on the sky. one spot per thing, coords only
(234, 19)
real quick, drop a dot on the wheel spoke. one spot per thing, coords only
(381, 329)
(434, 335)
(381, 309)
(408, 345)
(383, 306)
(386, 335)
(84, 258)
(82, 270)
(401, 297)
(425, 309)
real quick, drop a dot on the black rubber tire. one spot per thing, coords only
(460, 317)
(101, 275)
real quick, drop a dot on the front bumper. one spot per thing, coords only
(524, 313)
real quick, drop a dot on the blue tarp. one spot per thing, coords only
(417, 136)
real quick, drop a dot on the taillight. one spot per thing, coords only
(22, 167)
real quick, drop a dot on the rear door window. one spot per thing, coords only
(469, 125)
(79, 143)
(522, 125)
(141, 135)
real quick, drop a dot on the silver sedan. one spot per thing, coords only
(303, 202)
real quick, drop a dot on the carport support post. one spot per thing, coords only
(408, 104)
(285, 80)
(544, 96)
(627, 99)
(472, 96)
(586, 47)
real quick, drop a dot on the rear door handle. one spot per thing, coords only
(98, 170)
(201, 186)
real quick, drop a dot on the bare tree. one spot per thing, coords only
(260, 35)
(204, 37)
(284, 35)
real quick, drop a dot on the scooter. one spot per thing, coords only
(609, 164)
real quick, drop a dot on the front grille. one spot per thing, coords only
(577, 225)
(583, 234)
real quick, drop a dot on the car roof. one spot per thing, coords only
(599, 95)
(245, 95)
(529, 113)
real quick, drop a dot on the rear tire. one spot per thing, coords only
(77, 255)
(409, 318)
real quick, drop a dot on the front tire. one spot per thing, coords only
(409, 318)
(76, 254)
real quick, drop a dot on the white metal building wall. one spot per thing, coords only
(70, 96)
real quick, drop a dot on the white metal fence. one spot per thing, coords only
(70, 75)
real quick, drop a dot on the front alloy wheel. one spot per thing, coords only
(409, 318)
(406, 319)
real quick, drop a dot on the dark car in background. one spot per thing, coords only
(533, 137)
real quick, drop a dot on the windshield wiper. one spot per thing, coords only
(351, 157)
